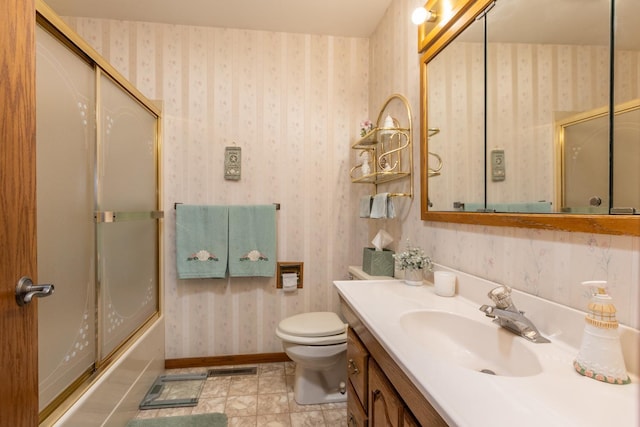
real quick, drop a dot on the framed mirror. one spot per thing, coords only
(494, 87)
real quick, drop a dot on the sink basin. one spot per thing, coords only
(470, 344)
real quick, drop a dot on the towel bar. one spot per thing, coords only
(175, 205)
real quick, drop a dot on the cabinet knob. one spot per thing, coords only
(353, 368)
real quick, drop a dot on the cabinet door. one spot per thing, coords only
(385, 406)
(356, 416)
(408, 420)
(357, 356)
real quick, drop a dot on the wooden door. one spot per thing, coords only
(18, 325)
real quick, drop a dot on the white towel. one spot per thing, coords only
(382, 206)
(365, 207)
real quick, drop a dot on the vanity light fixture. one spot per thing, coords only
(421, 15)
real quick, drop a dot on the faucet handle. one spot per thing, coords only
(487, 310)
(501, 296)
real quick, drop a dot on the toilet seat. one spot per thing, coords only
(316, 328)
(316, 324)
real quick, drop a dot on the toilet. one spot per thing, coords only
(317, 343)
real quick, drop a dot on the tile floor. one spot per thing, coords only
(264, 399)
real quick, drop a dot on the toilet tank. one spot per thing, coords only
(356, 273)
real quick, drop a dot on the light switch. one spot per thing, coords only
(498, 170)
(232, 163)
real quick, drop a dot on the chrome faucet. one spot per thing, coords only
(508, 316)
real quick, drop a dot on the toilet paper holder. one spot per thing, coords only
(291, 267)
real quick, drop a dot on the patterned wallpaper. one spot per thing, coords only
(294, 102)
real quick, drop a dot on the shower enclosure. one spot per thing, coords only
(98, 218)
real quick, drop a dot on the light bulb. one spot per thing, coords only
(419, 15)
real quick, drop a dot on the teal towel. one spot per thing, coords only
(529, 207)
(365, 206)
(379, 206)
(202, 236)
(382, 206)
(199, 420)
(252, 241)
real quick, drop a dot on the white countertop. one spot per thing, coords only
(558, 396)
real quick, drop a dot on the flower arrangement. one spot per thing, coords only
(366, 126)
(413, 258)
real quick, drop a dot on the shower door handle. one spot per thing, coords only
(26, 290)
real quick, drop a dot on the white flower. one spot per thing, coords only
(254, 255)
(413, 259)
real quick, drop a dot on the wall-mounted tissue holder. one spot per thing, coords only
(284, 275)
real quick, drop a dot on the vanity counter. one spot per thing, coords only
(557, 396)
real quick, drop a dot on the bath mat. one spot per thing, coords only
(200, 420)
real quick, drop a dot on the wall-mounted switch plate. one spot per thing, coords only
(232, 163)
(498, 169)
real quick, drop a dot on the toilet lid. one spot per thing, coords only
(317, 324)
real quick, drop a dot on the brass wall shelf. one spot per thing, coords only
(379, 177)
(389, 150)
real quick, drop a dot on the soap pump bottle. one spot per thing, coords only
(600, 356)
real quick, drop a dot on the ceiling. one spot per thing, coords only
(353, 18)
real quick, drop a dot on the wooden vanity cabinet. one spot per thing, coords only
(357, 360)
(357, 372)
(386, 408)
(408, 420)
(379, 393)
(356, 415)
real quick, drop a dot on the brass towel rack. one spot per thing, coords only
(434, 171)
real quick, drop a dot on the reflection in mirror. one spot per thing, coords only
(543, 20)
(583, 144)
(626, 158)
(583, 163)
(535, 74)
(626, 125)
(455, 81)
(540, 71)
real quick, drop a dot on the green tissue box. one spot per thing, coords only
(378, 263)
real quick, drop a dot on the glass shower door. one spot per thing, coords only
(128, 231)
(98, 226)
(65, 158)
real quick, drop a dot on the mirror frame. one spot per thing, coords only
(432, 38)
